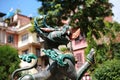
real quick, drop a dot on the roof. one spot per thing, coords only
(23, 15)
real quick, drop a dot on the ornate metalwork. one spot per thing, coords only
(62, 65)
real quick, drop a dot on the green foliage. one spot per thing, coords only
(89, 13)
(102, 54)
(9, 61)
(115, 50)
(89, 2)
(107, 59)
(116, 26)
(63, 48)
(32, 29)
(91, 41)
(109, 70)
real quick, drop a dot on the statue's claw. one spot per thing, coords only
(27, 57)
(90, 56)
(59, 58)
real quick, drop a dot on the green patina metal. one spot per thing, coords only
(59, 35)
(65, 61)
(27, 57)
(59, 58)
(90, 56)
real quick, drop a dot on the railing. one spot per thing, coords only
(3, 24)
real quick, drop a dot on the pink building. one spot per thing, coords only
(79, 44)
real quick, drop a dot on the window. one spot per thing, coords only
(79, 38)
(25, 51)
(37, 52)
(10, 38)
(79, 60)
(24, 37)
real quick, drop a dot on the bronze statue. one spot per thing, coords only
(61, 66)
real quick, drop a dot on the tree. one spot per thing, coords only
(9, 61)
(116, 50)
(88, 15)
(109, 70)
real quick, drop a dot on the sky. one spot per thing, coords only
(29, 7)
(116, 10)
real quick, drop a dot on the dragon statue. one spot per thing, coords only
(61, 66)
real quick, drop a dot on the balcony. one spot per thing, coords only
(3, 24)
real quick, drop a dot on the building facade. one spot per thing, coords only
(3, 26)
(16, 33)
